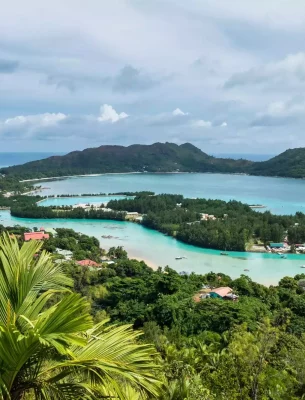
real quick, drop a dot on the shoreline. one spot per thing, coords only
(157, 173)
(148, 262)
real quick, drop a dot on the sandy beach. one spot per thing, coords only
(150, 263)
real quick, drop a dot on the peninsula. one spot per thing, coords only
(155, 158)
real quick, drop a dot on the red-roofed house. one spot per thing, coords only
(35, 236)
(87, 263)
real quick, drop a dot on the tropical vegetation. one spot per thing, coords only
(158, 157)
(49, 346)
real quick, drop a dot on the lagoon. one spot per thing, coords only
(160, 250)
(279, 195)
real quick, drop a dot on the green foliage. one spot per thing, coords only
(158, 157)
(55, 351)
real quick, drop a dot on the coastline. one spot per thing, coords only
(148, 262)
(77, 176)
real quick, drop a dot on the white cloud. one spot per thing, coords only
(38, 119)
(224, 124)
(290, 70)
(109, 114)
(200, 123)
(177, 111)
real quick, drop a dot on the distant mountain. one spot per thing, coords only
(290, 164)
(158, 157)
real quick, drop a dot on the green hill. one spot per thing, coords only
(158, 157)
(290, 164)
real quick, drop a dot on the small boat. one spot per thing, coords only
(283, 256)
(178, 258)
(224, 254)
(246, 270)
(302, 266)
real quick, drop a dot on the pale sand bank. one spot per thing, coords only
(150, 263)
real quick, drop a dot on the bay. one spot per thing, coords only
(279, 195)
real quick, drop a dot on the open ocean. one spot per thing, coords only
(8, 159)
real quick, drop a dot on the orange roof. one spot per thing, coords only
(222, 291)
(87, 263)
(35, 236)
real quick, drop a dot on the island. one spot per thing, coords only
(154, 158)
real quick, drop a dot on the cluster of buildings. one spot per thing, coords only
(207, 217)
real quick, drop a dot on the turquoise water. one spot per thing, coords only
(159, 250)
(280, 195)
(70, 201)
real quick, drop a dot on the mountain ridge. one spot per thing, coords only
(157, 157)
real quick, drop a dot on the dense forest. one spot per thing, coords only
(158, 157)
(33, 211)
(211, 349)
(234, 226)
(207, 349)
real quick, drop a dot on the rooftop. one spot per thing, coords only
(87, 263)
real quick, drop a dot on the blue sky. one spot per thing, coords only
(228, 76)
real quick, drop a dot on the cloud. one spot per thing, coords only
(224, 125)
(291, 69)
(281, 113)
(109, 114)
(8, 66)
(202, 124)
(177, 111)
(61, 82)
(130, 79)
(174, 118)
(46, 119)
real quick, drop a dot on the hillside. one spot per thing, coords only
(290, 163)
(158, 157)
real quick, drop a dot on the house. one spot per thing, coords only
(225, 293)
(87, 263)
(67, 254)
(41, 235)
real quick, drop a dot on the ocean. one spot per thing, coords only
(9, 159)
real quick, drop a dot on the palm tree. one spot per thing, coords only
(55, 351)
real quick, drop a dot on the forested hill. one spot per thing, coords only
(291, 163)
(158, 157)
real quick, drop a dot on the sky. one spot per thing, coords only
(227, 76)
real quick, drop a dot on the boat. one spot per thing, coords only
(246, 270)
(302, 266)
(283, 256)
(224, 254)
(178, 258)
